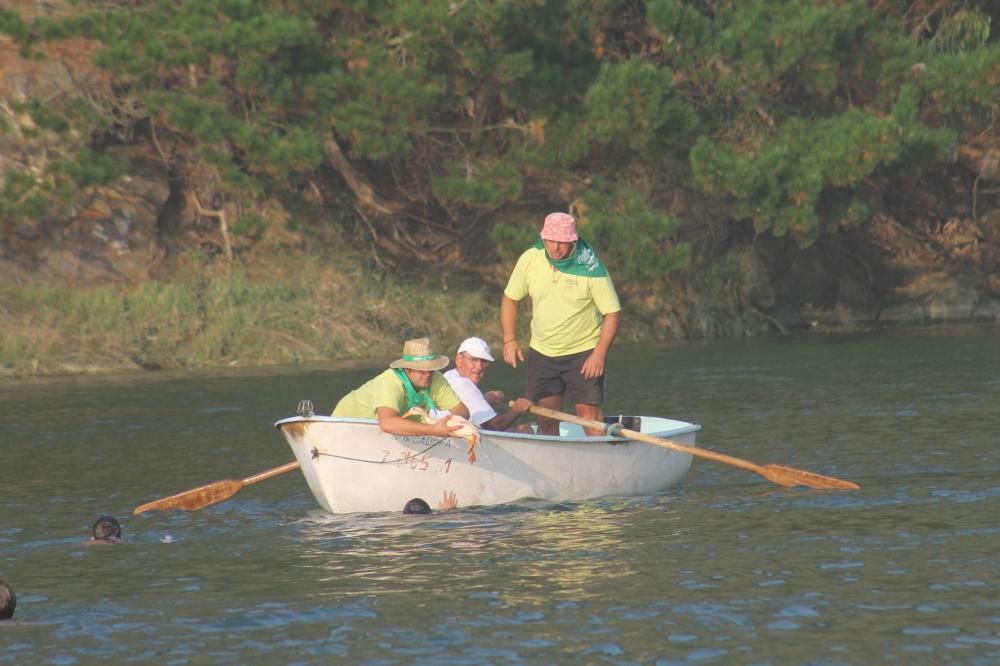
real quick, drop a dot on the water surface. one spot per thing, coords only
(725, 568)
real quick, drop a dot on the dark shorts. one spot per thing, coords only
(560, 375)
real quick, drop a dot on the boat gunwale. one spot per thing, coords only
(684, 429)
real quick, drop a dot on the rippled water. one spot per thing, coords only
(726, 568)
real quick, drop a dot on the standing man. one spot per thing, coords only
(575, 315)
(471, 361)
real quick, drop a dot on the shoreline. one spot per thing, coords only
(56, 369)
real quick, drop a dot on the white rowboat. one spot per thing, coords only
(352, 466)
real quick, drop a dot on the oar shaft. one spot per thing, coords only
(693, 450)
(264, 476)
(780, 474)
(611, 429)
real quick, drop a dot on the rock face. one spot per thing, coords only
(109, 234)
(103, 234)
(886, 272)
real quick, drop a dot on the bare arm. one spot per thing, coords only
(391, 422)
(512, 352)
(594, 365)
(506, 420)
(461, 410)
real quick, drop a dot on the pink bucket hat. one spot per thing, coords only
(559, 227)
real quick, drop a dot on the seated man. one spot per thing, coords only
(411, 381)
(106, 530)
(471, 361)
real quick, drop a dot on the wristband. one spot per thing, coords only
(511, 340)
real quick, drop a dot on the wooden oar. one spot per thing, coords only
(212, 493)
(780, 474)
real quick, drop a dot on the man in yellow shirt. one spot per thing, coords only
(411, 381)
(575, 315)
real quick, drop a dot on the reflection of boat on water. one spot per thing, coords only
(561, 552)
(351, 465)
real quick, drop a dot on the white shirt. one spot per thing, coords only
(480, 411)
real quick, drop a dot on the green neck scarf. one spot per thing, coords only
(414, 398)
(581, 261)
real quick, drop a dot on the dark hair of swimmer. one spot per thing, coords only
(107, 529)
(416, 505)
(8, 600)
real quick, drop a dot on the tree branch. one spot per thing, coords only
(220, 214)
(355, 181)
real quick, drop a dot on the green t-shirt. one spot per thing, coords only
(386, 390)
(566, 310)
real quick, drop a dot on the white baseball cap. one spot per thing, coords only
(477, 348)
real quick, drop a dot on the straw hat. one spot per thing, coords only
(417, 355)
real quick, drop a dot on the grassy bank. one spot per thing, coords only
(283, 310)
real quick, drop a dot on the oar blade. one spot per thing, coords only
(790, 477)
(196, 498)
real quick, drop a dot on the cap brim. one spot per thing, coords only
(434, 364)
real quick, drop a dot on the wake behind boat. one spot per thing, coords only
(351, 466)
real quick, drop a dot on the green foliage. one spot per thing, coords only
(88, 169)
(964, 31)
(488, 184)
(634, 102)
(250, 224)
(12, 24)
(779, 187)
(462, 111)
(512, 239)
(44, 116)
(633, 239)
(62, 162)
(962, 81)
(18, 197)
(807, 101)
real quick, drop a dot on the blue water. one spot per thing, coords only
(725, 568)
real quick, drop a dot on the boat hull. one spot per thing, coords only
(352, 466)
